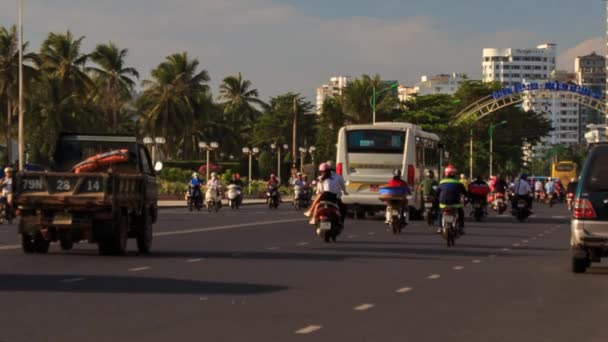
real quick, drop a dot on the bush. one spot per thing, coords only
(171, 174)
(172, 188)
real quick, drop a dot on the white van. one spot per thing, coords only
(368, 154)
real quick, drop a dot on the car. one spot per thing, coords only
(589, 225)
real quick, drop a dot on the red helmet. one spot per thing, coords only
(324, 167)
(450, 170)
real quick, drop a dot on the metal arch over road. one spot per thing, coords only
(517, 94)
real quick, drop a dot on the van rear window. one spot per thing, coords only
(375, 141)
(595, 178)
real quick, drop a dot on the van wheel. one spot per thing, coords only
(579, 265)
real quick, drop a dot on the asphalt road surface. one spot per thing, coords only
(257, 275)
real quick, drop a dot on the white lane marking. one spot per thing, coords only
(506, 249)
(72, 280)
(477, 261)
(193, 260)
(516, 245)
(228, 227)
(272, 248)
(352, 236)
(525, 241)
(404, 290)
(139, 269)
(363, 307)
(309, 329)
(304, 243)
(9, 247)
(458, 268)
(371, 233)
(559, 217)
(434, 276)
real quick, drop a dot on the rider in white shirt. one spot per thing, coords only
(522, 189)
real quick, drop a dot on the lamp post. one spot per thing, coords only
(208, 147)
(20, 42)
(491, 131)
(372, 100)
(250, 152)
(278, 147)
(153, 142)
(302, 156)
(312, 150)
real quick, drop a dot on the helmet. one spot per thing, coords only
(573, 180)
(462, 176)
(324, 167)
(397, 172)
(299, 174)
(330, 164)
(430, 173)
(272, 175)
(238, 176)
(524, 176)
(450, 170)
(194, 175)
(213, 174)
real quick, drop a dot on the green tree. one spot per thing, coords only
(113, 81)
(356, 100)
(330, 121)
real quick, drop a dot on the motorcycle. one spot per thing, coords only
(550, 199)
(479, 210)
(6, 214)
(569, 200)
(300, 198)
(539, 196)
(498, 203)
(212, 199)
(235, 196)
(521, 210)
(429, 210)
(397, 215)
(450, 229)
(194, 198)
(272, 196)
(328, 219)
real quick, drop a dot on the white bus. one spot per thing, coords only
(368, 154)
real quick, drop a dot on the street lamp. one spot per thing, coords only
(302, 156)
(278, 147)
(250, 152)
(491, 131)
(208, 147)
(153, 142)
(21, 138)
(372, 100)
(312, 150)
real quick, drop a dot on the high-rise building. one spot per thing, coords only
(591, 73)
(440, 84)
(511, 66)
(406, 93)
(335, 87)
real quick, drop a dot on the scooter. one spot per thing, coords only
(551, 199)
(429, 210)
(328, 220)
(498, 203)
(479, 210)
(450, 229)
(6, 214)
(397, 215)
(521, 210)
(194, 198)
(235, 196)
(212, 199)
(272, 196)
(300, 198)
(569, 200)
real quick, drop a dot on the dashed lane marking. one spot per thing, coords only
(352, 236)
(363, 307)
(309, 329)
(525, 241)
(434, 276)
(404, 290)
(193, 260)
(559, 217)
(9, 247)
(72, 280)
(477, 261)
(458, 268)
(371, 233)
(516, 245)
(304, 243)
(506, 249)
(272, 248)
(139, 269)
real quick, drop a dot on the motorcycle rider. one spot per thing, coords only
(299, 181)
(236, 180)
(7, 188)
(214, 182)
(464, 181)
(522, 190)
(450, 193)
(274, 182)
(538, 188)
(195, 185)
(478, 192)
(396, 182)
(331, 184)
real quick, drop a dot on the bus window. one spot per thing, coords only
(375, 141)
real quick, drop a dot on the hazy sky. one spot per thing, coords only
(296, 45)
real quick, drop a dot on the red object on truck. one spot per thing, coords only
(102, 160)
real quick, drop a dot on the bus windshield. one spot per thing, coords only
(375, 141)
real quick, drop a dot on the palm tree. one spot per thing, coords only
(238, 95)
(9, 75)
(170, 98)
(113, 79)
(61, 58)
(356, 99)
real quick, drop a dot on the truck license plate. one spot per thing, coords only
(62, 219)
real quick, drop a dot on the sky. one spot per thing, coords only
(297, 45)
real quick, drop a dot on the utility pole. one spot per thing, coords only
(606, 94)
(294, 143)
(20, 41)
(471, 156)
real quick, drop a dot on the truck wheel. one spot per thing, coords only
(41, 245)
(27, 243)
(144, 236)
(66, 241)
(117, 243)
(579, 265)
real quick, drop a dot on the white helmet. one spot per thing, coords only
(213, 174)
(8, 169)
(195, 175)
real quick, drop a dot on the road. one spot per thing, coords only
(255, 275)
